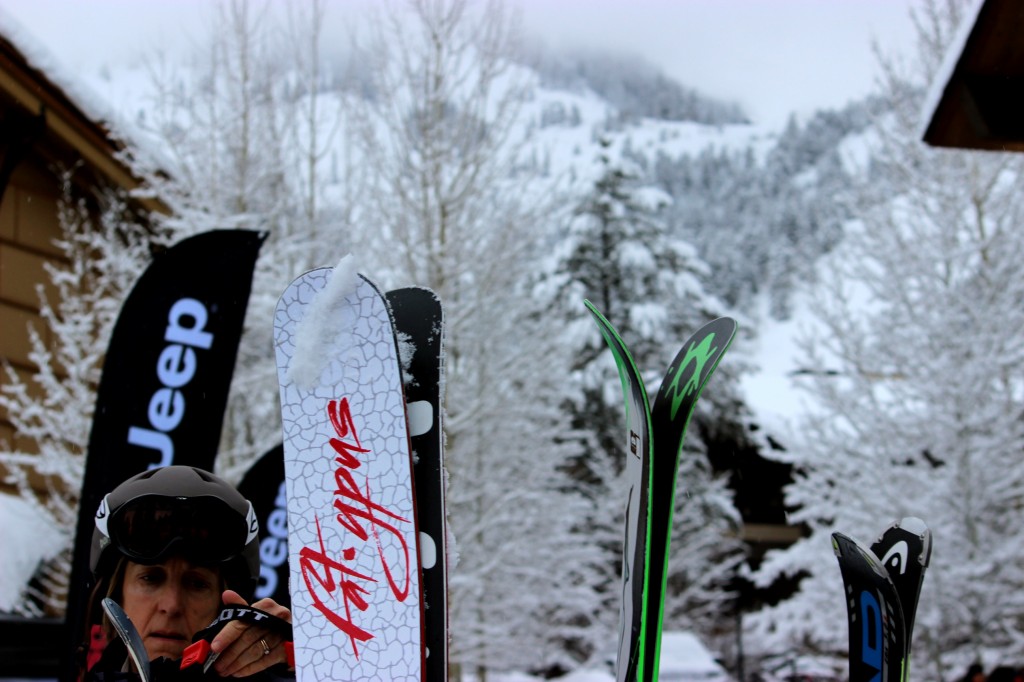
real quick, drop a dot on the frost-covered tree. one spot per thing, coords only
(105, 248)
(446, 206)
(249, 133)
(619, 253)
(917, 400)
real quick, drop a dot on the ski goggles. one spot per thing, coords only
(205, 530)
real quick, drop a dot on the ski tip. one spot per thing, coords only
(722, 327)
(731, 324)
(414, 290)
(914, 525)
(724, 320)
(602, 322)
(111, 607)
(909, 524)
(842, 544)
(846, 548)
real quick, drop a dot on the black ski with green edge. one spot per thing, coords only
(673, 407)
(638, 464)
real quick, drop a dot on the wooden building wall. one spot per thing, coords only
(43, 132)
(28, 228)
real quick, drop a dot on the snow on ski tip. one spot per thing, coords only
(325, 317)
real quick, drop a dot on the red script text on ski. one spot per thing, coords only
(360, 516)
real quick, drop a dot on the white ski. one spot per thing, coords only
(352, 536)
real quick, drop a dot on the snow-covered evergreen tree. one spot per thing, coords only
(917, 401)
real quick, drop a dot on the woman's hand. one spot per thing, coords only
(244, 649)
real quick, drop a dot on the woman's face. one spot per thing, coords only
(170, 602)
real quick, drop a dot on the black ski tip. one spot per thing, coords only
(724, 323)
(415, 290)
(847, 549)
(915, 527)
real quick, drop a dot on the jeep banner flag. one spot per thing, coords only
(166, 375)
(264, 486)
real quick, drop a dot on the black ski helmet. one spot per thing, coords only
(178, 510)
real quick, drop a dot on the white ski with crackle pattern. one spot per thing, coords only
(352, 536)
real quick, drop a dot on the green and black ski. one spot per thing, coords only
(638, 464)
(673, 407)
(654, 444)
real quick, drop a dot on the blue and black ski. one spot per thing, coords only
(883, 586)
(878, 640)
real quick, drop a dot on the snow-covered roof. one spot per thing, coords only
(33, 78)
(972, 99)
(945, 73)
